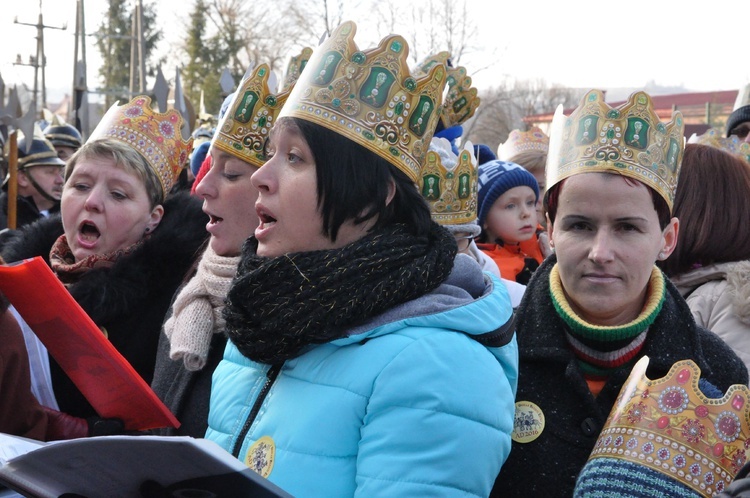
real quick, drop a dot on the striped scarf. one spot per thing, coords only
(603, 349)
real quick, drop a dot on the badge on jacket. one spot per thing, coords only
(528, 422)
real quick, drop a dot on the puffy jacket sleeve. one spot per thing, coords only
(438, 422)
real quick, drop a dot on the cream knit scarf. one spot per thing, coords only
(197, 310)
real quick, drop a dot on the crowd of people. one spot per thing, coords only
(354, 300)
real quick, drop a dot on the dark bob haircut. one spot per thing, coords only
(353, 183)
(552, 198)
(713, 206)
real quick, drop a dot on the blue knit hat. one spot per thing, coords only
(483, 154)
(199, 155)
(497, 177)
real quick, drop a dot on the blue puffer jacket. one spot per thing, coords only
(412, 404)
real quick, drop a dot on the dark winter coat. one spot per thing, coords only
(129, 299)
(26, 213)
(549, 376)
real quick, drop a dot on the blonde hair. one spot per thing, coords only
(532, 160)
(125, 157)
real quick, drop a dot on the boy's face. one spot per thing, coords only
(513, 216)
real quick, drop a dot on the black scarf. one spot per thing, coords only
(278, 306)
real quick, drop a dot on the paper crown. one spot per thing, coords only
(671, 427)
(244, 127)
(522, 141)
(156, 136)
(371, 97)
(449, 183)
(294, 69)
(713, 137)
(461, 100)
(628, 140)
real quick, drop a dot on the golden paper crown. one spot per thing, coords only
(371, 97)
(714, 138)
(628, 140)
(244, 128)
(670, 426)
(449, 183)
(461, 100)
(294, 69)
(156, 136)
(522, 141)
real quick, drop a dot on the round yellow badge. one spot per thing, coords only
(260, 456)
(528, 423)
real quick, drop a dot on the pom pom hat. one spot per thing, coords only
(371, 98)
(497, 177)
(628, 140)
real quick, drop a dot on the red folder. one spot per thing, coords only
(100, 372)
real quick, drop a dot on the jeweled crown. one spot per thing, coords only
(628, 140)
(294, 69)
(461, 100)
(732, 144)
(156, 136)
(244, 128)
(371, 97)
(522, 141)
(671, 427)
(449, 183)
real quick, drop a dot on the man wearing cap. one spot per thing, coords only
(65, 138)
(40, 182)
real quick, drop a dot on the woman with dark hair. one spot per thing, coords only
(599, 303)
(711, 263)
(361, 360)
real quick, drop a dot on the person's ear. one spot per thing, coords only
(391, 191)
(154, 218)
(669, 238)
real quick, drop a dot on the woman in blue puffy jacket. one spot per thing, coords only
(364, 357)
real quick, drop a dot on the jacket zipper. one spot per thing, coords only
(271, 375)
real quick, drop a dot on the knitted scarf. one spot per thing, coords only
(197, 310)
(602, 349)
(68, 270)
(278, 306)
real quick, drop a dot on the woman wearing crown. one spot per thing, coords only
(599, 303)
(359, 363)
(122, 243)
(193, 339)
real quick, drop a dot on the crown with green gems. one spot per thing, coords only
(294, 69)
(461, 100)
(244, 128)
(370, 97)
(628, 140)
(714, 138)
(449, 183)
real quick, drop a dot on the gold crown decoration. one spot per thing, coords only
(461, 100)
(628, 140)
(671, 427)
(521, 141)
(249, 118)
(294, 69)
(732, 144)
(156, 136)
(371, 97)
(449, 183)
